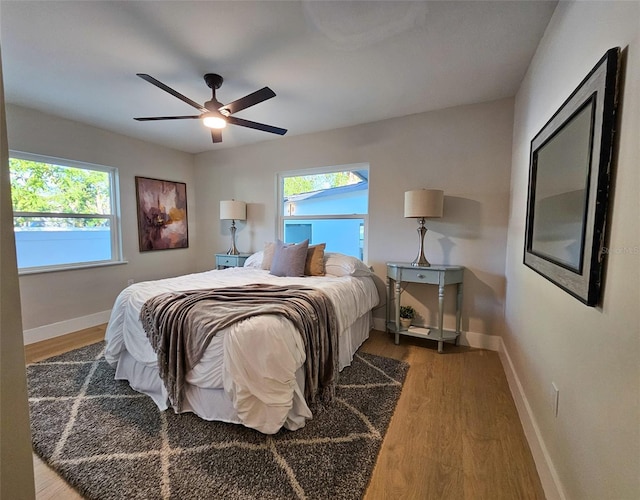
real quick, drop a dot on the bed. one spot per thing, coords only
(252, 372)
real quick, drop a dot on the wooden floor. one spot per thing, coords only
(455, 433)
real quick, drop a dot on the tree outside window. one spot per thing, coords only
(64, 214)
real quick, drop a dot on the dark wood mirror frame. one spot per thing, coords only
(569, 178)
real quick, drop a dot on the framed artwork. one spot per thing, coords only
(569, 176)
(162, 214)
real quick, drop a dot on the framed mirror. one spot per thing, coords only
(569, 176)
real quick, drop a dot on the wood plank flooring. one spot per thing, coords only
(455, 433)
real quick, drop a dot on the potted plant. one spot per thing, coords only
(407, 313)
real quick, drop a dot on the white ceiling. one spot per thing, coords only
(332, 64)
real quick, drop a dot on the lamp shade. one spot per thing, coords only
(233, 210)
(423, 203)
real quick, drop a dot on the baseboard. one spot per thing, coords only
(480, 341)
(471, 339)
(546, 470)
(46, 332)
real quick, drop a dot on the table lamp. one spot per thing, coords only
(422, 204)
(233, 210)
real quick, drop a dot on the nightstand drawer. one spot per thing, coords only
(434, 275)
(225, 260)
(419, 276)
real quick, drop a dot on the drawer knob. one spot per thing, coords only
(420, 275)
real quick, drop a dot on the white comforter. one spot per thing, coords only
(254, 361)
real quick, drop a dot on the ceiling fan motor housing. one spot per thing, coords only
(213, 80)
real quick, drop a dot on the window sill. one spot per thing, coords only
(88, 265)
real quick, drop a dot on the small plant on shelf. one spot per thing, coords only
(407, 312)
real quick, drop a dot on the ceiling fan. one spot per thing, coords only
(214, 114)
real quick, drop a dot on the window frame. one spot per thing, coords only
(113, 218)
(282, 217)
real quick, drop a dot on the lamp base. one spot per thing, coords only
(421, 260)
(233, 250)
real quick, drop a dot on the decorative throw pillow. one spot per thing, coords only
(289, 260)
(314, 265)
(338, 264)
(267, 259)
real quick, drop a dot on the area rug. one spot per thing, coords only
(110, 442)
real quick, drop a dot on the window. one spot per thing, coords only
(298, 232)
(64, 213)
(327, 206)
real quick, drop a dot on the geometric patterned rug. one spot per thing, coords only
(110, 442)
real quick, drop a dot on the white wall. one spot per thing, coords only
(50, 298)
(592, 354)
(464, 150)
(16, 463)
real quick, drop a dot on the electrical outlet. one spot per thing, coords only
(130, 282)
(555, 398)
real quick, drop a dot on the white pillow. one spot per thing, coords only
(338, 264)
(254, 260)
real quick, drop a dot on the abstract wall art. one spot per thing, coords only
(162, 214)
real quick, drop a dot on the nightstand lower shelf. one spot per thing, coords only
(424, 332)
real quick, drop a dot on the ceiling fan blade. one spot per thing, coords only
(256, 125)
(249, 100)
(216, 135)
(152, 118)
(174, 93)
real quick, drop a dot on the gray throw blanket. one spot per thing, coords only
(180, 326)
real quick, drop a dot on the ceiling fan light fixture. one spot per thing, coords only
(214, 120)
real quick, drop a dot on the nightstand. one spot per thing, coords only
(400, 272)
(224, 260)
